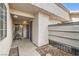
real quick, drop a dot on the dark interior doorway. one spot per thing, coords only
(20, 29)
(29, 30)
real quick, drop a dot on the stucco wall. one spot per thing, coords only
(40, 29)
(35, 30)
(43, 29)
(75, 17)
(54, 9)
(53, 21)
(5, 44)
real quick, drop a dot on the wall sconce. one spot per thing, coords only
(15, 16)
(21, 26)
(25, 22)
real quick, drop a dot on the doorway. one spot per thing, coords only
(18, 33)
(23, 31)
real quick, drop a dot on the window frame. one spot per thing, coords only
(3, 18)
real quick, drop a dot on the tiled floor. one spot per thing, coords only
(26, 48)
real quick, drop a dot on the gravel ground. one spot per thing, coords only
(49, 50)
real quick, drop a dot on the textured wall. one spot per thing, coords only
(40, 29)
(53, 21)
(43, 29)
(75, 17)
(54, 9)
(5, 44)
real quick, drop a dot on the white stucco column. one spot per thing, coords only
(40, 29)
(43, 29)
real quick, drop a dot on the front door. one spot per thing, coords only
(18, 31)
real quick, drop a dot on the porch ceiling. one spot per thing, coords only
(24, 7)
(20, 19)
(27, 7)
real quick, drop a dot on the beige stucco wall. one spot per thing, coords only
(75, 17)
(5, 44)
(54, 9)
(43, 29)
(35, 30)
(53, 21)
(20, 13)
(40, 29)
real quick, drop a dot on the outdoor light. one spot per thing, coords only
(15, 16)
(24, 22)
(21, 26)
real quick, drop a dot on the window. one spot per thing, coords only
(3, 21)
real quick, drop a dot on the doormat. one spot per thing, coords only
(51, 51)
(14, 52)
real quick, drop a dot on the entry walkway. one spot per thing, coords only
(26, 48)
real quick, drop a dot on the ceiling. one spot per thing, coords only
(24, 7)
(20, 19)
(27, 7)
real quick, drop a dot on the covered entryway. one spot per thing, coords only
(40, 20)
(22, 36)
(23, 32)
(36, 20)
(22, 27)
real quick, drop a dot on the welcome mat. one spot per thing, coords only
(14, 52)
(52, 51)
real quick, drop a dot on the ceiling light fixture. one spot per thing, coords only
(24, 22)
(15, 16)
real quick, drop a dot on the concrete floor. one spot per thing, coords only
(26, 47)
